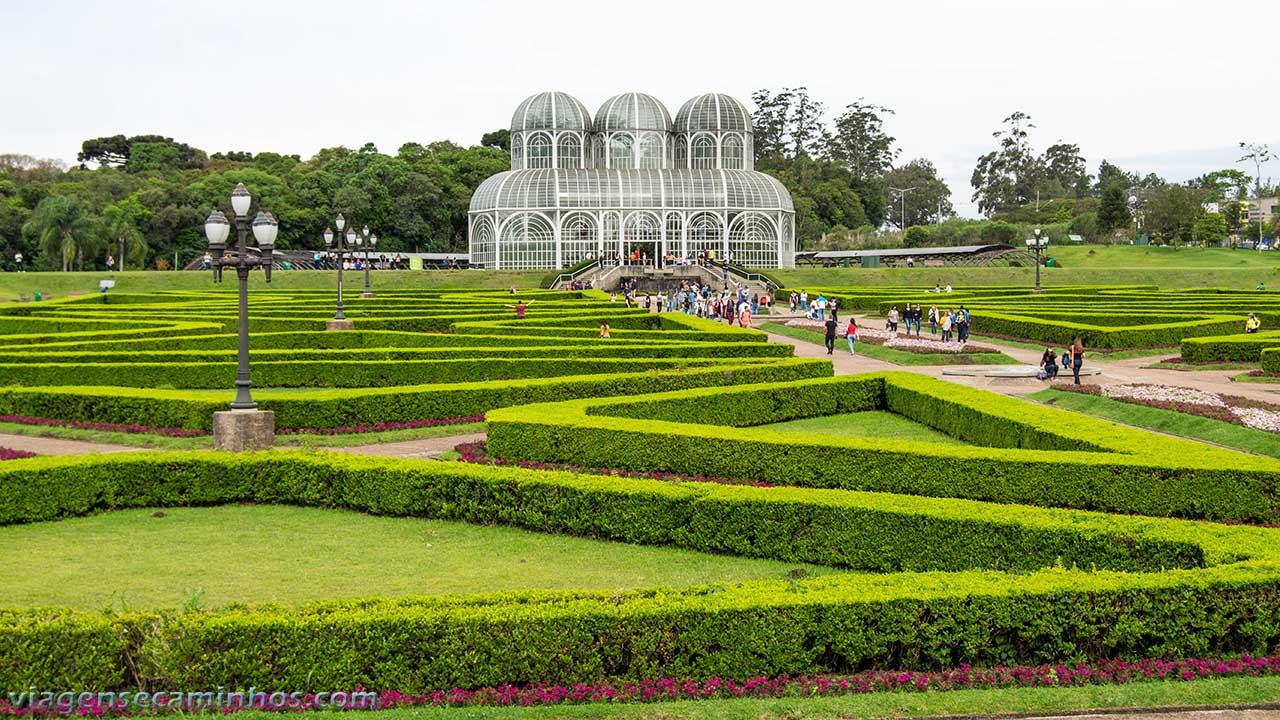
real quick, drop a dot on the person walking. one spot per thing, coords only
(604, 329)
(933, 319)
(918, 316)
(851, 334)
(1077, 359)
(1252, 324)
(893, 319)
(947, 320)
(834, 304)
(831, 335)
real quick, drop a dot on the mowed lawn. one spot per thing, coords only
(210, 557)
(868, 424)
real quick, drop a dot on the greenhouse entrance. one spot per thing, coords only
(642, 239)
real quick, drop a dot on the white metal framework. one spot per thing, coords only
(632, 180)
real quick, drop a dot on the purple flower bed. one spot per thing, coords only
(115, 427)
(11, 454)
(473, 452)
(1107, 672)
(379, 427)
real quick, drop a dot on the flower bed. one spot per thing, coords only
(1110, 672)
(113, 427)
(875, 336)
(473, 452)
(11, 454)
(1234, 409)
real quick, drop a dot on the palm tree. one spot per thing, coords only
(120, 224)
(65, 226)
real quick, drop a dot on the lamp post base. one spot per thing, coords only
(339, 325)
(368, 294)
(244, 430)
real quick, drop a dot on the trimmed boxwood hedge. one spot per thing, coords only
(910, 620)
(1024, 453)
(193, 409)
(1243, 347)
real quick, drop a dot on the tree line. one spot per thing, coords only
(146, 199)
(142, 199)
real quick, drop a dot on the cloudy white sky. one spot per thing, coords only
(1167, 87)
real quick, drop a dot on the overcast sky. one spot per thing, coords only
(1167, 87)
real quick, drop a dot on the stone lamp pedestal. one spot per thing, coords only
(244, 430)
(339, 325)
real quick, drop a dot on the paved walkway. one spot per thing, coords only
(423, 449)
(58, 446)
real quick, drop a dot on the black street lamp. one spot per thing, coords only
(216, 228)
(339, 248)
(1038, 243)
(372, 241)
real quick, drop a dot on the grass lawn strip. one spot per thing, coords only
(897, 357)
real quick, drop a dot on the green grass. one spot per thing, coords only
(204, 442)
(1193, 367)
(898, 357)
(1167, 421)
(1119, 265)
(214, 556)
(869, 424)
(58, 284)
(1246, 377)
(1168, 693)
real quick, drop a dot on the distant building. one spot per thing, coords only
(630, 180)
(1263, 209)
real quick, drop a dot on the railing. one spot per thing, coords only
(568, 277)
(740, 272)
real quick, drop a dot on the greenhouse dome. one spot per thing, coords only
(630, 180)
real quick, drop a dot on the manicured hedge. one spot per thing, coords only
(907, 620)
(338, 373)
(343, 407)
(1234, 348)
(1025, 454)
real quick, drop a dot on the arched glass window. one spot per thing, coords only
(704, 153)
(539, 151)
(650, 153)
(569, 152)
(621, 151)
(731, 153)
(577, 238)
(682, 152)
(517, 151)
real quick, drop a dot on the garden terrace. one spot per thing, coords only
(158, 360)
(1104, 317)
(957, 582)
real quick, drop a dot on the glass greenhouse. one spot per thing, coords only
(630, 181)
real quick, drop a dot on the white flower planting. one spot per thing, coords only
(909, 343)
(1257, 418)
(1163, 393)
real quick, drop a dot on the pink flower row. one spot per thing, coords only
(1107, 672)
(473, 452)
(11, 454)
(114, 427)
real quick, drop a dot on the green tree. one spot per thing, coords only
(1173, 210)
(1007, 177)
(65, 228)
(930, 199)
(1210, 230)
(1065, 173)
(860, 142)
(1234, 214)
(121, 223)
(500, 139)
(1113, 212)
(915, 237)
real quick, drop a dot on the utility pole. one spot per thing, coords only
(902, 193)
